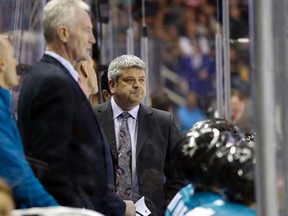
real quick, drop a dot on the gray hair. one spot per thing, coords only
(122, 62)
(60, 12)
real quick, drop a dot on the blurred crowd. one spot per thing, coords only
(181, 45)
(181, 50)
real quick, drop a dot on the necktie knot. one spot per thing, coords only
(125, 115)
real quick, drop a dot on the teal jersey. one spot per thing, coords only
(188, 203)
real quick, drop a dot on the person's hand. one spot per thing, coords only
(130, 208)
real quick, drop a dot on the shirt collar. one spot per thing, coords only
(117, 110)
(65, 63)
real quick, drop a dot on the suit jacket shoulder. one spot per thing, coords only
(156, 113)
(104, 114)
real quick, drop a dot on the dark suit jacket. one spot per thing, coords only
(157, 137)
(59, 128)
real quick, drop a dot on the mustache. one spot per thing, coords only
(136, 91)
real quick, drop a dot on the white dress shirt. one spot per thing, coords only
(65, 63)
(133, 125)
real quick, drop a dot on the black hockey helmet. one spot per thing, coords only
(237, 170)
(215, 154)
(202, 146)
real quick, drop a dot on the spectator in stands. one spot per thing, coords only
(239, 27)
(88, 77)
(239, 71)
(160, 100)
(238, 104)
(191, 38)
(106, 94)
(218, 160)
(198, 71)
(169, 46)
(26, 188)
(190, 113)
(241, 111)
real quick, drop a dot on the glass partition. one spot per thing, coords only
(207, 47)
(22, 21)
(179, 40)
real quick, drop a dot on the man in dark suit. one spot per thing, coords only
(153, 136)
(57, 122)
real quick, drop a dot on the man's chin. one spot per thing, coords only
(13, 84)
(137, 100)
(88, 53)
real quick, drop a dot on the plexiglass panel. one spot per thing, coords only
(22, 20)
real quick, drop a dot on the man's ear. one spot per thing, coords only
(83, 70)
(112, 86)
(63, 33)
(106, 95)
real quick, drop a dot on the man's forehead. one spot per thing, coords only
(134, 71)
(136, 75)
(83, 17)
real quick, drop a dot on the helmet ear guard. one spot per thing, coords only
(215, 153)
(240, 185)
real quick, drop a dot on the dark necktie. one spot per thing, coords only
(124, 182)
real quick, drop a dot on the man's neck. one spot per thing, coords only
(59, 49)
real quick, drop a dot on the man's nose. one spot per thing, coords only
(92, 39)
(136, 84)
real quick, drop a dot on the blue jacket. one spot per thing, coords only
(27, 190)
(186, 202)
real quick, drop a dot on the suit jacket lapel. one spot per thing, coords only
(107, 122)
(145, 124)
(50, 59)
